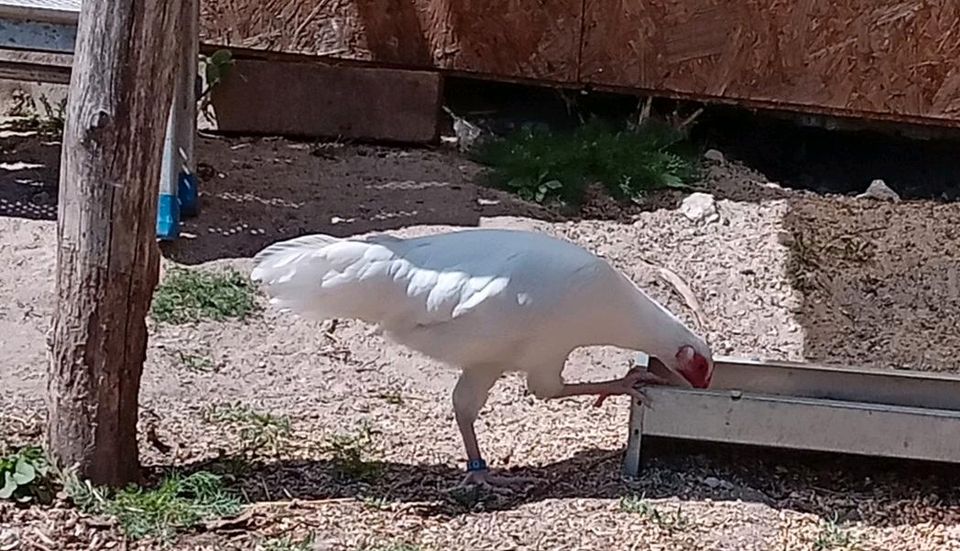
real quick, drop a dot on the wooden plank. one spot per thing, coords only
(496, 37)
(803, 423)
(315, 100)
(34, 72)
(887, 59)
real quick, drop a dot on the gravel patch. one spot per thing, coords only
(780, 274)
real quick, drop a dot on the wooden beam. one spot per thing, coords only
(307, 99)
(107, 256)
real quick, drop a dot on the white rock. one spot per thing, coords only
(714, 155)
(880, 191)
(700, 207)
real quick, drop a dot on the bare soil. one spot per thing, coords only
(782, 274)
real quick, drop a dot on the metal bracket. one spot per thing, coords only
(631, 459)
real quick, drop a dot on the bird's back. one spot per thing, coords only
(455, 296)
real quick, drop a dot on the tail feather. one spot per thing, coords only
(284, 253)
(322, 277)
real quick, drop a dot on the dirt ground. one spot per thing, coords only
(782, 274)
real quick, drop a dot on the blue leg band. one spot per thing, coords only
(476, 465)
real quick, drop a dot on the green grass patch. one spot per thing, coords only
(543, 166)
(178, 503)
(194, 295)
(351, 453)
(258, 431)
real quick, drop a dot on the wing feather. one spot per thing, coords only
(372, 279)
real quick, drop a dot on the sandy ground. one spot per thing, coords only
(782, 275)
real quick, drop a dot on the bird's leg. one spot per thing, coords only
(469, 397)
(624, 385)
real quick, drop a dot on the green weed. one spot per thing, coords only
(542, 165)
(351, 453)
(257, 431)
(640, 506)
(288, 543)
(832, 536)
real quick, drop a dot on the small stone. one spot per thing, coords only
(880, 191)
(712, 482)
(714, 155)
(700, 207)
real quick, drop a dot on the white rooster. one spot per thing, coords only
(486, 301)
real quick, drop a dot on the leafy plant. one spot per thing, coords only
(48, 125)
(257, 430)
(394, 546)
(216, 66)
(194, 295)
(195, 361)
(381, 503)
(176, 504)
(392, 397)
(288, 543)
(640, 506)
(350, 453)
(541, 165)
(24, 475)
(832, 536)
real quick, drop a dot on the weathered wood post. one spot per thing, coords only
(107, 255)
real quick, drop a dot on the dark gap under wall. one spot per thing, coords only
(797, 156)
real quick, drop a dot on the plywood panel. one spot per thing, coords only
(508, 38)
(896, 58)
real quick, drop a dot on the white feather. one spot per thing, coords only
(499, 299)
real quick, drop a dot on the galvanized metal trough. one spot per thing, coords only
(913, 415)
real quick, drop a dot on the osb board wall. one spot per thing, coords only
(510, 38)
(896, 58)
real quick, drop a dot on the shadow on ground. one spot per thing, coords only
(29, 175)
(256, 192)
(824, 484)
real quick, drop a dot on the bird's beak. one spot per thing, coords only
(658, 368)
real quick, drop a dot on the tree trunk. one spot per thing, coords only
(107, 257)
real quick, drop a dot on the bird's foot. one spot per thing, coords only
(486, 479)
(628, 384)
(479, 477)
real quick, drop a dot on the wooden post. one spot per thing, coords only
(107, 255)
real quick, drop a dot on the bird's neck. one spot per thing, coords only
(645, 325)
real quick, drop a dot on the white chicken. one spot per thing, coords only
(486, 301)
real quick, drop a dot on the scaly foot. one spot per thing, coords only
(487, 480)
(628, 385)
